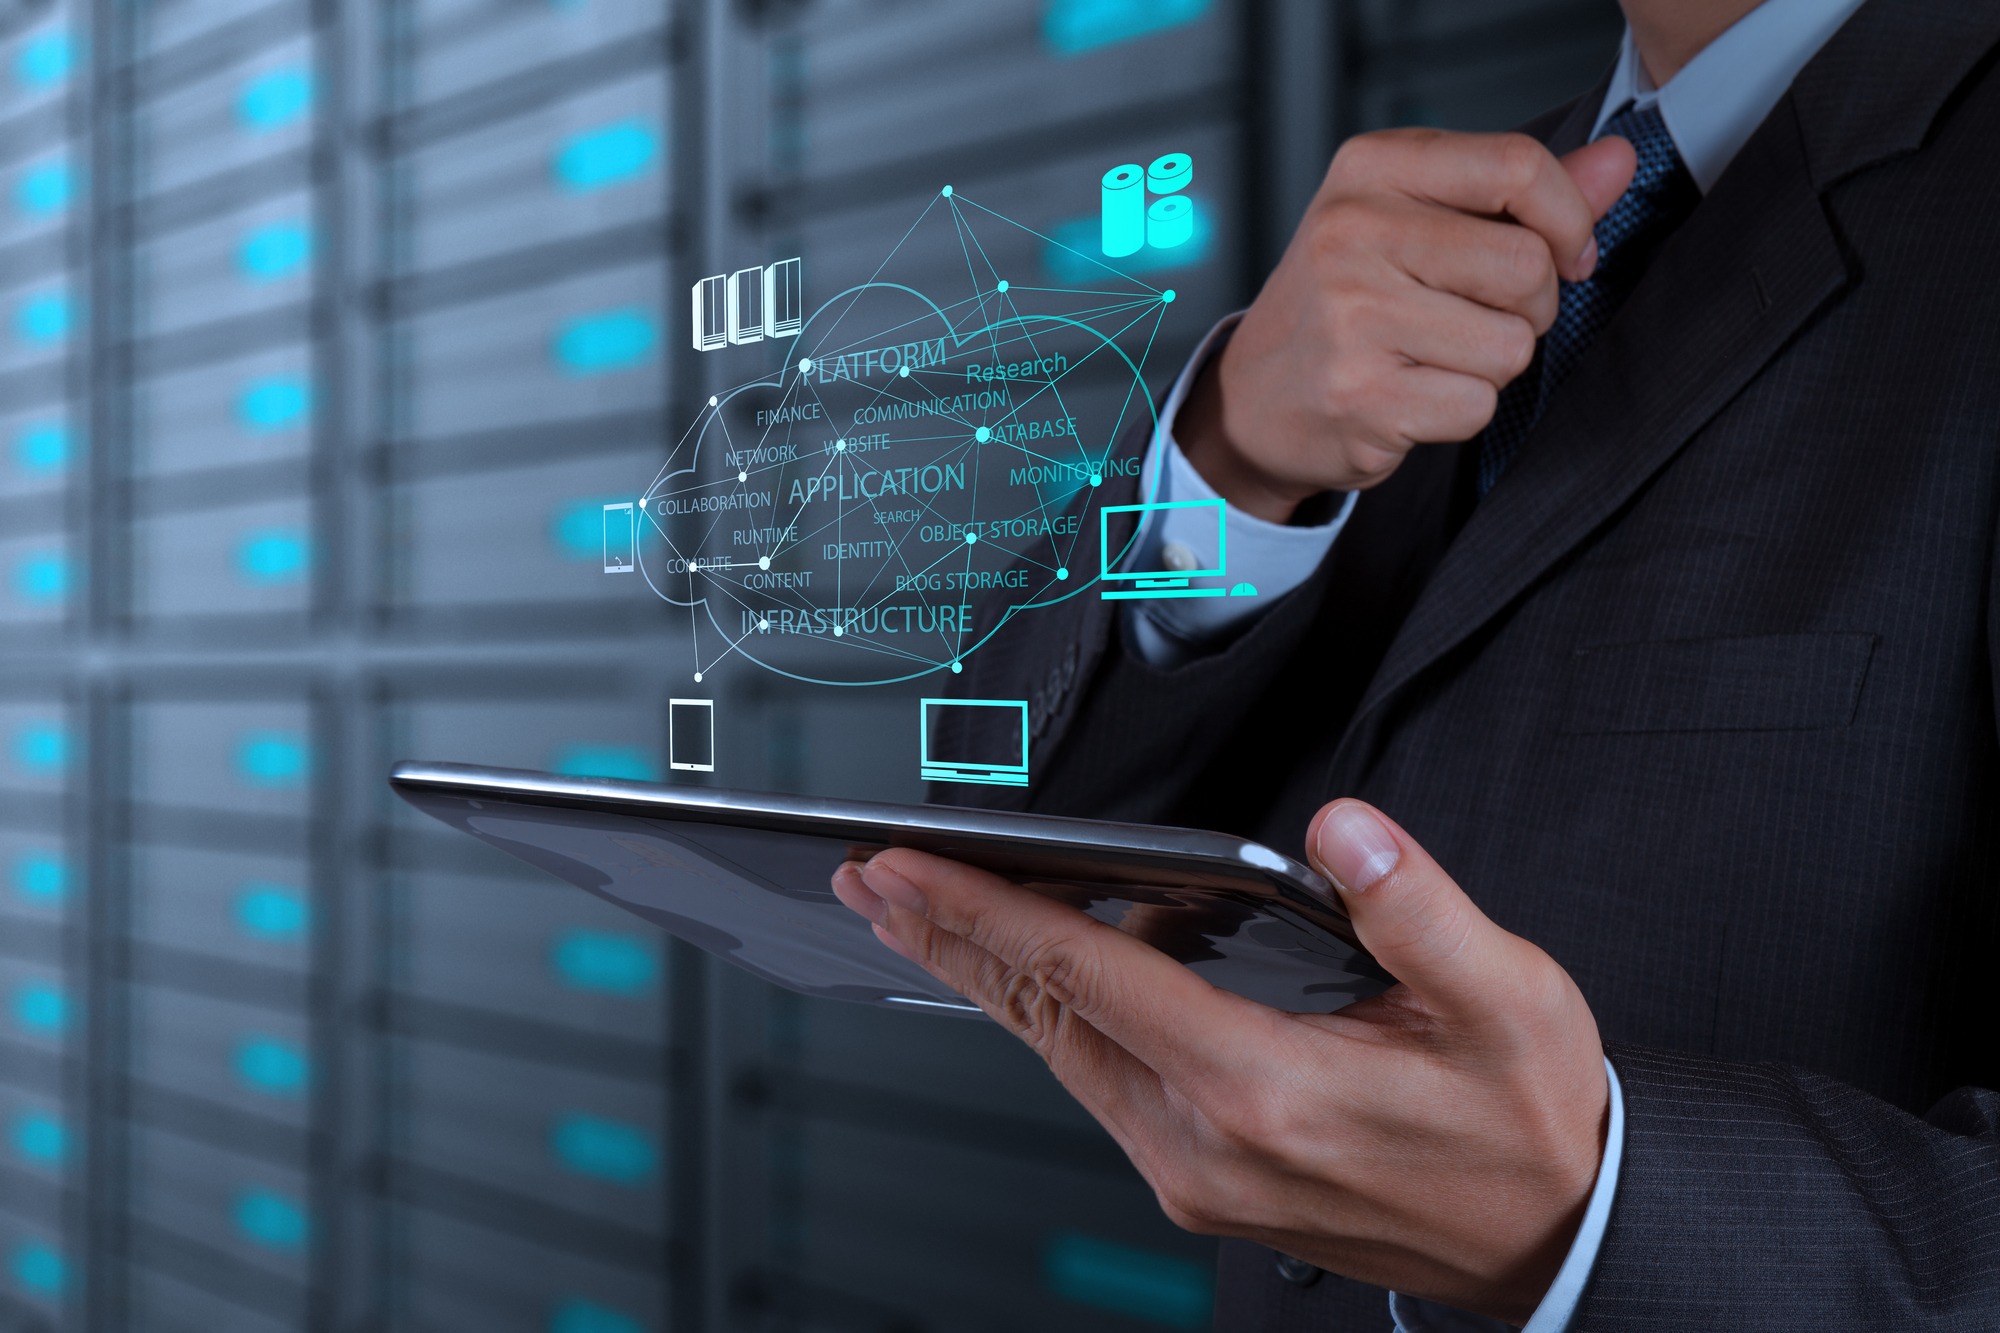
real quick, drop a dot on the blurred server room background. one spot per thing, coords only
(326, 327)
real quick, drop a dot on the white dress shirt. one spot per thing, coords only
(1711, 108)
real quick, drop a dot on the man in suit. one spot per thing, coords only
(1683, 661)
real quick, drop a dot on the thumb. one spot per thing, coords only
(1407, 912)
(1602, 172)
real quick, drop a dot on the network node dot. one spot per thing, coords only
(743, 476)
(805, 365)
(1096, 480)
(840, 446)
(971, 537)
(1062, 573)
(838, 631)
(697, 677)
(904, 372)
(711, 400)
(763, 624)
(947, 192)
(1168, 296)
(763, 562)
(1003, 285)
(956, 668)
(982, 435)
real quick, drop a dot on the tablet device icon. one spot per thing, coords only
(1135, 580)
(996, 752)
(691, 735)
(620, 538)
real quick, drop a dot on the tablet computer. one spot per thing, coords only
(746, 876)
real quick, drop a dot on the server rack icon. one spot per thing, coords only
(749, 305)
(710, 301)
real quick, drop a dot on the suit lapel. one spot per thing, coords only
(1749, 269)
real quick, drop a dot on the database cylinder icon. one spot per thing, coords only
(1124, 210)
(1169, 222)
(1170, 173)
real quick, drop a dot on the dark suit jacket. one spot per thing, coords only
(1701, 699)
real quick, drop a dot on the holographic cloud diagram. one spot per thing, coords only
(923, 466)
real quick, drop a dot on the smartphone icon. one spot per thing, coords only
(691, 735)
(620, 538)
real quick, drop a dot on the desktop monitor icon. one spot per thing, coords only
(1142, 581)
(992, 749)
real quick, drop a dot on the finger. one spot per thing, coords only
(1434, 328)
(1498, 175)
(1433, 406)
(1166, 1016)
(1118, 1089)
(1602, 172)
(1121, 1092)
(1500, 265)
(1411, 916)
(854, 894)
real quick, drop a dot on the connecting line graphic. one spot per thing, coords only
(927, 460)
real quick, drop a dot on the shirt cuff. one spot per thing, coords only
(1557, 1312)
(1258, 561)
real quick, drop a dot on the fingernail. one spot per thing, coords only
(894, 887)
(896, 945)
(1355, 847)
(1587, 261)
(855, 894)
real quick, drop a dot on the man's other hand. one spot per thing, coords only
(1440, 1139)
(1414, 291)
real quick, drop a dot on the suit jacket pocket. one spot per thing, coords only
(1769, 682)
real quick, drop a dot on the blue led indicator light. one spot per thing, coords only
(272, 403)
(1073, 27)
(41, 878)
(42, 191)
(42, 450)
(577, 1315)
(38, 1268)
(41, 578)
(41, 1009)
(42, 748)
(268, 1065)
(1157, 1288)
(601, 343)
(270, 1220)
(605, 761)
(596, 960)
(272, 252)
(38, 1138)
(272, 912)
(270, 556)
(604, 1149)
(605, 156)
(273, 760)
(43, 320)
(274, 99)
(44, 62)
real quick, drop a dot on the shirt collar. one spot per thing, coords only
(1717, 101)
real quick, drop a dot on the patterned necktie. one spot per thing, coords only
(1662, 193)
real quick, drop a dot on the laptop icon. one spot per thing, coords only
(989, 745)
